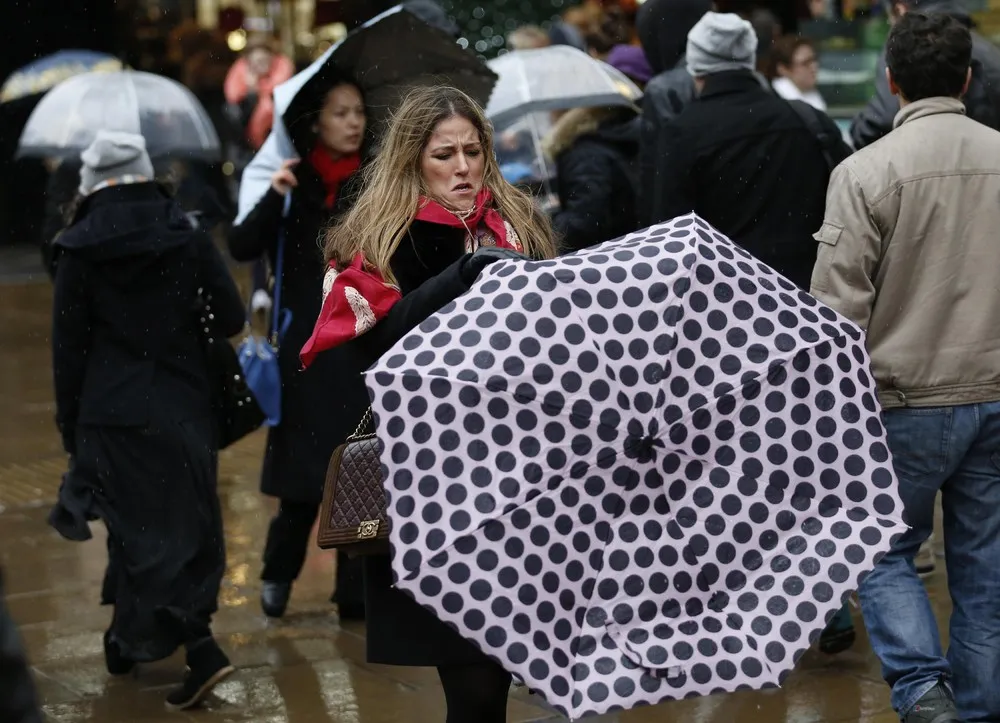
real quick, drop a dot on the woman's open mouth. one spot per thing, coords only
(462, 188)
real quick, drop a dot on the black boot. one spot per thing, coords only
(349, 609)
(349, 596)
(116, 663)
(207, 667)
(274, 597)
(839, 634)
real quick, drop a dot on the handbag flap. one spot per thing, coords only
(354, 502)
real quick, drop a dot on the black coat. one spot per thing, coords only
(125, 345)
(428, 266)
(743, 160)
(982, 101)
(18, 700)
(598, 182)
(322, 405)
(663, 27)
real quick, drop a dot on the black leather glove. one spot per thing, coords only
(473, 264)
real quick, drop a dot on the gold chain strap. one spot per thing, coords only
(365, 421)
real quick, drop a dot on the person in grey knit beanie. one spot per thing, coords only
(720, 42)
(112, 156)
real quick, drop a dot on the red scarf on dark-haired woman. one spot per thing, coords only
(356, 298)
(333, 172)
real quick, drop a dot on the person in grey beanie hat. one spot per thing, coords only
(720, 42)
(113, 157)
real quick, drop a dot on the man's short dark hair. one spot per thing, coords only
(929, 55)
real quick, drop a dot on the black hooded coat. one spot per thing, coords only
(663, 27)
(596, 153)
(133, 403)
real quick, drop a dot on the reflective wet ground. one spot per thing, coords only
(303, 669)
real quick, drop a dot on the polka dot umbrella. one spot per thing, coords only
(642, 472)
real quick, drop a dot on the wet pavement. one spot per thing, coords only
(306, 668)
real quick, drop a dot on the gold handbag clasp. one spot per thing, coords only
(368, 529)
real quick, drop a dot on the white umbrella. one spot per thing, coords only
(558, 77)
(164, 112)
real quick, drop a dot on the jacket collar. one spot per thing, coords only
(128, 193)
(926, 107)
(730, 81)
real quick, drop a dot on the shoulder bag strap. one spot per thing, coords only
(280, 318)
(807, 114)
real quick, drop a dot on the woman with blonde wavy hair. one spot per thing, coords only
(434, 212)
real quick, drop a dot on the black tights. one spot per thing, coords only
(475, 693)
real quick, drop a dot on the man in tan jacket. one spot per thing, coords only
(910, 251)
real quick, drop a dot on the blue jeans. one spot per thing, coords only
(954, 450)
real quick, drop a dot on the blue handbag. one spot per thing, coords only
(259, 356)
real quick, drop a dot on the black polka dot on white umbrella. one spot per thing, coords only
(642, 472)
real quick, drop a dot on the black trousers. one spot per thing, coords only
(288, 542)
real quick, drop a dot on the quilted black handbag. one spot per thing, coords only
(353, 517)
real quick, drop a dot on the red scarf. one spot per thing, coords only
(333, 172)
(494, 233)
(357, 297)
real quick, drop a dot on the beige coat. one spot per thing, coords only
(910, 251)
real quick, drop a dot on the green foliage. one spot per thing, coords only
(486, 23)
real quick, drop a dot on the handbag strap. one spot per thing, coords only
(280, 318)
(365, 421)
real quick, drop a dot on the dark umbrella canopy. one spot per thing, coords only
(386, 57)
(45, 73)
(643, 472)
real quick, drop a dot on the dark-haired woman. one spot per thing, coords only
(318, 405)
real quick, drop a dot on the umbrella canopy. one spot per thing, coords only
(558, 77)
(164, 112)
(45, 73)
(642, 472)
(388, 56)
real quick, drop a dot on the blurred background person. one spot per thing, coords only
(250, 86)
(328, 139)
(595, 151)
(528, 37)
(596, 154)
(982, 99)
(632, 61)
(768, 29)
(662, 26)
(795, 70)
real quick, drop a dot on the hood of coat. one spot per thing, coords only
(614, 126)
(125, 229)
(955, 8)
(663, 27)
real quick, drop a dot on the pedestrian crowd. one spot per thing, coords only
(895, 233)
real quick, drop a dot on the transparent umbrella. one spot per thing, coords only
(558, 77)
(164, 112)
